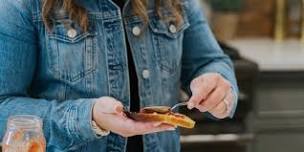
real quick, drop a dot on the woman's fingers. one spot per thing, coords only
(220, 109)
(161, 128)
(223, 109)
(214, 98)
(141, 128)
(201, 87)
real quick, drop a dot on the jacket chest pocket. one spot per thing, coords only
(71, 51)
(168, 41)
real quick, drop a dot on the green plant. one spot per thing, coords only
(226, 5)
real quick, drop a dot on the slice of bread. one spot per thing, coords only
(175, 119)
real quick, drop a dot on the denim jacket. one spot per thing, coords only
(58, 74)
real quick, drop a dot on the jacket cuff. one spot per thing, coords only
(81, 122)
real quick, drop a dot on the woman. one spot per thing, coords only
(77, 63)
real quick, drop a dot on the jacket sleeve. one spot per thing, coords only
(201, 52)
(66, 123)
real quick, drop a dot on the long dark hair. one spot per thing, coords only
(80, 15)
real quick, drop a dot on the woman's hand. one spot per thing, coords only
(211, 93)
(108, 114)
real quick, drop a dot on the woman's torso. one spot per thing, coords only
(76, 64)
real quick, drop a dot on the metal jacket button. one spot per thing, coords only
(146, 74)
(172, 28)
(72, 33)
(136, 31)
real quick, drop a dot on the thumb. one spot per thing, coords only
(109, 105)
(196, 96)
(194, 100)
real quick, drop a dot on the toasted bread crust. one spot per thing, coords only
(174, 119)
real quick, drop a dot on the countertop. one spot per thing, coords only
(272, 56)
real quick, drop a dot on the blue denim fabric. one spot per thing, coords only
(57, 76)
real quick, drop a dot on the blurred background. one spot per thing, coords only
(265, 39)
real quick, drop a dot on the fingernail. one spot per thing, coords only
(171, 129)
(190, 105)
(157, 124)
